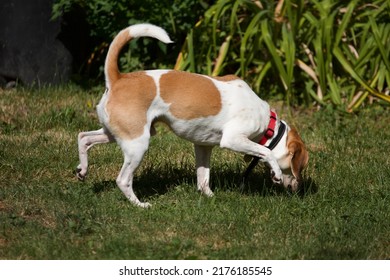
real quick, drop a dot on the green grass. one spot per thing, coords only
(45, 213)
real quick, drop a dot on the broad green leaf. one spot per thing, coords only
(376, 33)
(272, 49)
(349, 69)
(344, 22)
(221, 57)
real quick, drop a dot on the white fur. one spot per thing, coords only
(149, 30)
(238, 126)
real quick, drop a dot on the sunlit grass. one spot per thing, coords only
(45, 213)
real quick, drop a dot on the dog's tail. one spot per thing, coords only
(111, 69)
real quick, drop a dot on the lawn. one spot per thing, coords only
(46, 213)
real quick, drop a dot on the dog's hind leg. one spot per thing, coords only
(202, 156)
(85, 141)
(133, 151)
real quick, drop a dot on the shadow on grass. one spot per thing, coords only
(152, 182)
(261, 184)
(308, 187)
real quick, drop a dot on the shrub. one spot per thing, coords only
(106, 18)
(323, 51)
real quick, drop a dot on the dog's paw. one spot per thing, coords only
(206, 191)
(80, 173)
(144, 204)
(277, 177)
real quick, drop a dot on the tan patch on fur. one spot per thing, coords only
(128, 102)
(297, 149)
(191, 96)
(111, 65)
(227, 78)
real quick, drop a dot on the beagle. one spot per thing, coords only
(205, 110)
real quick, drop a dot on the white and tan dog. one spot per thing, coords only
(205, 110)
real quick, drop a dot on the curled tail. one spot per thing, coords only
(111, 69)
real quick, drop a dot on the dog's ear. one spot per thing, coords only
(298, 152)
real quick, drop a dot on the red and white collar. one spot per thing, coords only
(270, 129)
(270, 132)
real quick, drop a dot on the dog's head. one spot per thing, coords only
(293, 160)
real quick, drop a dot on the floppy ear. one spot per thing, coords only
(298, 152)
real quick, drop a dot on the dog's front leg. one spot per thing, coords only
(202, 157)
(240, 143)
(85, 141)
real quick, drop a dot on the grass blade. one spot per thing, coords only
(263, 72)
(251, 31)
(191, 57)
(272, 49)
(344, 22)
(375, 32)
(221, 57)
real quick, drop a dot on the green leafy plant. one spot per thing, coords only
(106, 18)
(312, 51)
